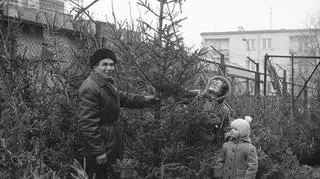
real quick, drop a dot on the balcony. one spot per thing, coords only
(214, 54)
(32, 14)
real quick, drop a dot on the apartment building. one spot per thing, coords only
(238, 45)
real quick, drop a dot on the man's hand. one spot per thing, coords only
(151, 99)
(101, 159)
(195, 91)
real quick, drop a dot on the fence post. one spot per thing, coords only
(284, 83)
(232, 85)
(305, 98)
(257, 81)
(248, 87)
(256, 77)
(266, 57)
(292, 85)
(223, 65)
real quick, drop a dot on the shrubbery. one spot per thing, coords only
(37, 136)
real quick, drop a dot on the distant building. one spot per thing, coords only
(33, 16)
(103, 34)
(36, 17)
(39, 12)
(45, 5)
(51, 5)
(238, 45)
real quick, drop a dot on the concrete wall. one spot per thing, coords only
(39, 16)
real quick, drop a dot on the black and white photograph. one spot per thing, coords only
(159, 89)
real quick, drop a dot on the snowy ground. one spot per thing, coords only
(316, 172)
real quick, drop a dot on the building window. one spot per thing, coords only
(14, 1)
(266, 43)
(52, 6)
(222, 45)
(302, 45)
(219, 43)
(250, 44)
(250, 65)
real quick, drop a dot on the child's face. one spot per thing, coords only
(235, 132)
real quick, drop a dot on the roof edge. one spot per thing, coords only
(258, 31)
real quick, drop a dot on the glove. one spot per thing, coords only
(101, 159)
(151, 99)
(117, 166)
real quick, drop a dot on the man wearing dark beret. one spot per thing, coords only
(99, 108)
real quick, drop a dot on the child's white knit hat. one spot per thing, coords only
(243, 125)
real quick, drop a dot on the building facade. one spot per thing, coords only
(36, 17)
(238, 45)
(46, 5)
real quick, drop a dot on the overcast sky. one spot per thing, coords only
(222, 15)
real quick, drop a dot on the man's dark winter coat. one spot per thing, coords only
(99, 108)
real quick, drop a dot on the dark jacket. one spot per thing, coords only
(99, 107)
(218, 120)
(219, 113)
(237, 160)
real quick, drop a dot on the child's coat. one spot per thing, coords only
(237, 160)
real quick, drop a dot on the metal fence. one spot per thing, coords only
(35, 42)
(297, 77)
(283, 76)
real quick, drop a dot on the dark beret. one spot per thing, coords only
(100, 54)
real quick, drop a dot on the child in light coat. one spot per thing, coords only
(238, 158)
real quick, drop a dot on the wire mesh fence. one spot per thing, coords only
(293, 77)
(297, 76)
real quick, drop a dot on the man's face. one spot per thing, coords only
(215, 86)
(105, 67)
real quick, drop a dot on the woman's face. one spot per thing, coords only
(215, 86)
